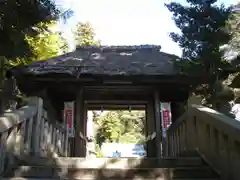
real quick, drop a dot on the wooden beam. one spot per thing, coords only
(116, 102)
(115, 97)
(133, 79)
(167, 96)
(119, 87)
(115, 107)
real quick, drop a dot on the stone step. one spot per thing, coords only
(189, 154)
(113, 173)
(21, 178)
(112, 162)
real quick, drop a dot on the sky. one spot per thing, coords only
(126, 22)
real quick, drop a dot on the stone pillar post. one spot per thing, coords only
(37, 124)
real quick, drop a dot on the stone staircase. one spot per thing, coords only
(177, 168)
(201, 130)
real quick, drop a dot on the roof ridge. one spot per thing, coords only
(121, 48)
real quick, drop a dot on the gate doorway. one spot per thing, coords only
(117, 133)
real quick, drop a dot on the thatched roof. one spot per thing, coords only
(120, 60)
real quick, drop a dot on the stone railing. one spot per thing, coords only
(27, 131)
(213, 135)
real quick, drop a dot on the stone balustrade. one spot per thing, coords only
(213, 135)
(27, 131)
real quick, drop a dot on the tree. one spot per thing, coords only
(232, 51)
(234, 28)
(47, 43)
(203, 32)
(85, 35)
(17, 17)
(120, 126)
(132, 125)
(108, 128)
(202, 26)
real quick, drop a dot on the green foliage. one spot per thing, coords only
(99, 152)
(46, 44)
(17, 17)
(202, 26)
(120, 126)
(3, 61)
(85, 35)
(234, 29)
(109, 128)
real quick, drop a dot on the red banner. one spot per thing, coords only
(166, 118)
(68, 116)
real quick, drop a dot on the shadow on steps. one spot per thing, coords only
(111, 168)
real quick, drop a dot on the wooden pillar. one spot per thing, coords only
(80, 144)
(150, 130)
(158, 123)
